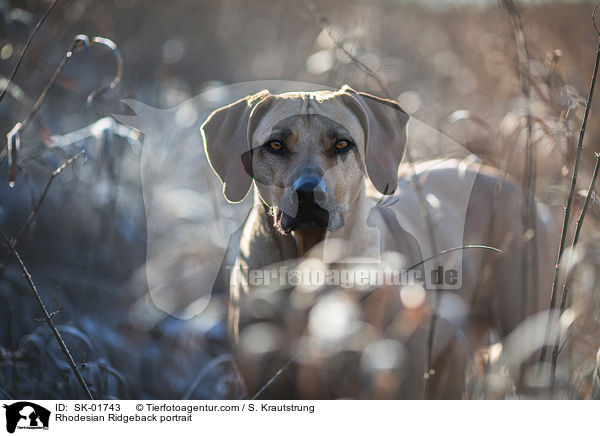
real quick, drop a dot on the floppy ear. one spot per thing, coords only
(384, 123)
(226, 136)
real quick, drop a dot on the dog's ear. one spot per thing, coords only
(226, 135)
(384, 124)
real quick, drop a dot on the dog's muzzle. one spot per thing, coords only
(309, 193)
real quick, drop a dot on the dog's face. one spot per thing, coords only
(307, 166)
(307, 153)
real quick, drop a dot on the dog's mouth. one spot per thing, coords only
(308, 216)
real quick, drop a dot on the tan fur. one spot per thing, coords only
(491, 283)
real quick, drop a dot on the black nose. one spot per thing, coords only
(309, 189)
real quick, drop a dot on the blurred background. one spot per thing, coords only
(453, 65)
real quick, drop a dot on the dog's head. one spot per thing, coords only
(307, 152)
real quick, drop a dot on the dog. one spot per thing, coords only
(324, 165)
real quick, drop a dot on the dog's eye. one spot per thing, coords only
(342, 144)
(275, 145)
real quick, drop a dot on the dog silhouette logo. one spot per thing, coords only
(26, 415)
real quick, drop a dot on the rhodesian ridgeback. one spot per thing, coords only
(327, 188)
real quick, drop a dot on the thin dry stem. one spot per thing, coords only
(24, 50)
(565, 288)
(13, 138)
(565, 226)
(36, 208)
(48, 318)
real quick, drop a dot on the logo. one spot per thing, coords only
(26, 415)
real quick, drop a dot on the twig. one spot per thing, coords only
(339, 44)
(13, 354)
(37, 206)
(565, 289)
(281, 370)
(48, 318)
(78, 41)
(13, 138)
(424, 211)
(25, 47)
(450, 250)
(529, 266)
(564, 343)
(441, 253)
(6, 394)
(117, 78)
(588, 198)
(565, 225)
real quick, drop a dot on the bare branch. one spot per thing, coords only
(79, 41)
(565, 289)
(36, 208)
(567, 215)
(48, 319)
(113, 84)
(24, 50)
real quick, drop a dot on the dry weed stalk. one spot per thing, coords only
(565, 288)
(48, 318)
(34, 211)
(14, 136)
(565, 225)
(25, 47)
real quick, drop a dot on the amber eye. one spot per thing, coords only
(342, 144)
(276, 145)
